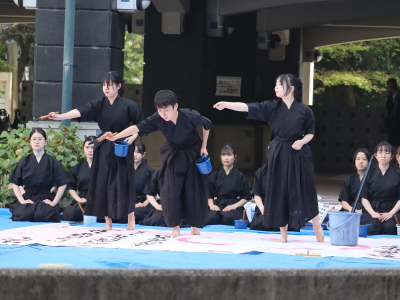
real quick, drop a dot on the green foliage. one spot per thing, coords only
(133, 68)
(356, 74)
(4, 66)
(65, 146)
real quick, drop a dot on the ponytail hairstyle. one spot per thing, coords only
(89, 139)
(113, 77)
(141, 147)
(363, 150)
(38, 130)
(291, 80)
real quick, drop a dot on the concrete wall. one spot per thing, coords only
(228, 284)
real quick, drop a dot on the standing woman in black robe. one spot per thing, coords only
(38, 173)
(79, 181)
(381, 194)
(291, 196)
(183, 189)
(231, 189)
(351, 184)
(143, 175)
(111, 191)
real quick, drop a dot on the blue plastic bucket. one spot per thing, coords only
(121, 149)
(344, 228)
(204, 164)
(240, 224)
(364, 230)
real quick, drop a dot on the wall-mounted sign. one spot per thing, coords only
(5, 90)
(228, 86)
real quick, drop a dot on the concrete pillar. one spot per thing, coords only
(99, 40)
(13, 61)
(307, 77)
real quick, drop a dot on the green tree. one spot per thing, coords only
(356, 74)
(4, 66)
(133, 63)
(24, 35)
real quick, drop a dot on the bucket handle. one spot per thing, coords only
(336, 227)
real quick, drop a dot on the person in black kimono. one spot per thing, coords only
(381, 194)
(258, 188)
(291, 196)
(110, 193)
(230, 188)
(143, 174)
(183, 189)
(38, 173)
(79, 177)
(152, 189)
(397, 159)
(351, 184)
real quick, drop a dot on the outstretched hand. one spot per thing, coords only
(220, 105)
(131, 139)
(54, 116)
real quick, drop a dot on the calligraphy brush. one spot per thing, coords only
(397, 221)
(244, 213)
(44, 117)
(80, 206)
(102, 138)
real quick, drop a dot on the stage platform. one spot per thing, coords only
(31, 255)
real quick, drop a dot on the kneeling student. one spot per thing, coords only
(37, 172)
(231, 189)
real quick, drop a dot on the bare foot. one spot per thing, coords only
(195, 231)
(319, 233)
(131, 222)
(108, 223)
(283, 238)
(176, 231)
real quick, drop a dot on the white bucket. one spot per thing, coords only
(89, 220)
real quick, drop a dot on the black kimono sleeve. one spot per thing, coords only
(135, 113)
(310, 122)
(151, 124)
(90, 111)
(261, 111)
(73, 181)
(257, 183)
(211, 189)
(244, 189)
(59, 175)
(16, 175)
(152, 186)
(198, 120)
(345, 192)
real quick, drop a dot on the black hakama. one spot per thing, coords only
(349, 190)
(110, 191)
(383, 193)
(37, 179)
(228, 189)
(143, 175)
(79, 177)
(258, 188)
(155, 216)
(183, 189)
(291, 196)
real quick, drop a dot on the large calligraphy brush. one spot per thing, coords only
(44, 117)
